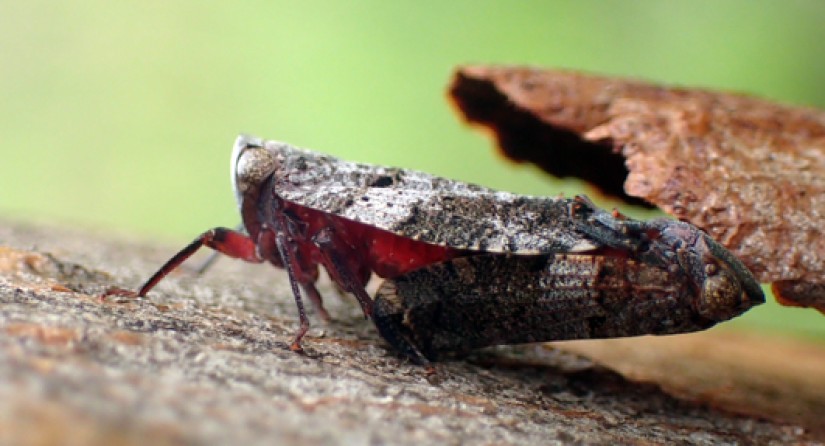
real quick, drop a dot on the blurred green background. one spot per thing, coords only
(120, 116)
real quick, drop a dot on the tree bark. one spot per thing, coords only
(206, 360)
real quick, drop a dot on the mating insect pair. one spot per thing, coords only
(466, 266)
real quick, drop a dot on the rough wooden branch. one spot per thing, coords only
(206, 360)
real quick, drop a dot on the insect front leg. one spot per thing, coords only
(609, 229)
(342, 268)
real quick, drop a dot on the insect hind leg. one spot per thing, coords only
(223, 240)
(340, 266)
(388, 318)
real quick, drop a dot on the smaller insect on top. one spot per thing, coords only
(410, 204)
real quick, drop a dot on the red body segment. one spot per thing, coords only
(350, 252)
(367, 248)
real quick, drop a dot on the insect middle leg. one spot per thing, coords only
(273, 242)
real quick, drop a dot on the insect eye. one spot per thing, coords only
(721, 293)
(254, 165)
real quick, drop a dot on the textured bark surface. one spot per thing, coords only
(205, 360)
(748, 171)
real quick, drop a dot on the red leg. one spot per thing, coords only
(223, 240)
(305, 270)
(269, 237)
(315, 297)
(345, 275)
(213, 257)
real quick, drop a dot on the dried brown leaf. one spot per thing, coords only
(748, 171)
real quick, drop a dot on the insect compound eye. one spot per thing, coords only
(253, 166)
(722, 294)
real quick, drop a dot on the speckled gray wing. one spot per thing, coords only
(473, 302)
(426, 208)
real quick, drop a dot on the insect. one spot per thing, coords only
(648, 277)
(471, 302)
(301, 210)
(681, 248)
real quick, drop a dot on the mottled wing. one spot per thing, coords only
(479, 301)
(427, 208)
